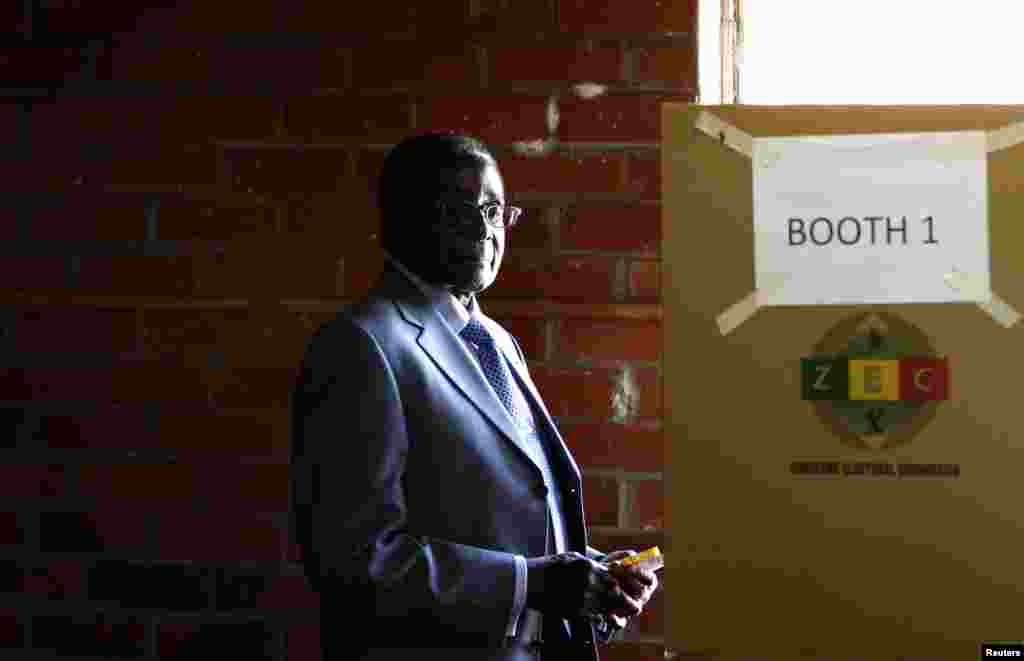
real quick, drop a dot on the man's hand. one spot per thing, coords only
(570, 585)
(637, 583)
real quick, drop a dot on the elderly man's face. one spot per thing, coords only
(469, 257)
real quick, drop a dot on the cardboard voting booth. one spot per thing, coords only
(843, 376)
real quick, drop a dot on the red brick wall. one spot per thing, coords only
(189, 190)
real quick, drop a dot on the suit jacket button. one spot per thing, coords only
(541, 490)
(572, 492)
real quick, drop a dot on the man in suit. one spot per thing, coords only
(435, 503)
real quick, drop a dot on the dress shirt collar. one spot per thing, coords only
(455, 314)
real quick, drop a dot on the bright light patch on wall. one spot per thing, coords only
(709, 54)
(881, 52)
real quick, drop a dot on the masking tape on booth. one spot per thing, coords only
(995, 307)
(744, 309)
(737, 313)
(725, 132)
(1006, 137)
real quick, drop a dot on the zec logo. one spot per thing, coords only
(875, 381)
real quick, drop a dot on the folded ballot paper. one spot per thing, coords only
(650, 560)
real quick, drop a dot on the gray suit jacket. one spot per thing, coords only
(411, 493)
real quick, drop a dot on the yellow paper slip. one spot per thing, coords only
(651, 559)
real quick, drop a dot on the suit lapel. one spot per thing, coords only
(451, 357)
(448, 353)
(533, 396)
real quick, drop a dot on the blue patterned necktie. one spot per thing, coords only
(497, 372)
(492, 363)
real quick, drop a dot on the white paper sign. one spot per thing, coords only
(872, 218)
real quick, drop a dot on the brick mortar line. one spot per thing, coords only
(190, 570)
(647, 424)
(88, 408)
(155, 40)
(625, 509)
(264, 568)
(76, 503)
(564, 148)
(106, 360)
(627, 65)
(615, 531)
(587, 198)
(280, 634)
(631, 255)
(219, 193)
(162, 88)
(611, 364)
(128, 456)
(240, 200)
(620, 281)
(349, 67)
(152, 637)
(542, 308)
(622, 476)
(638, 640)
(524, 87)
(552, 333)
(228, 616)
(482, 60)
(215, 247)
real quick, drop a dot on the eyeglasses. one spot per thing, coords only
(495, 214)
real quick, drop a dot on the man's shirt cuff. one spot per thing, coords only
(519, 600)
